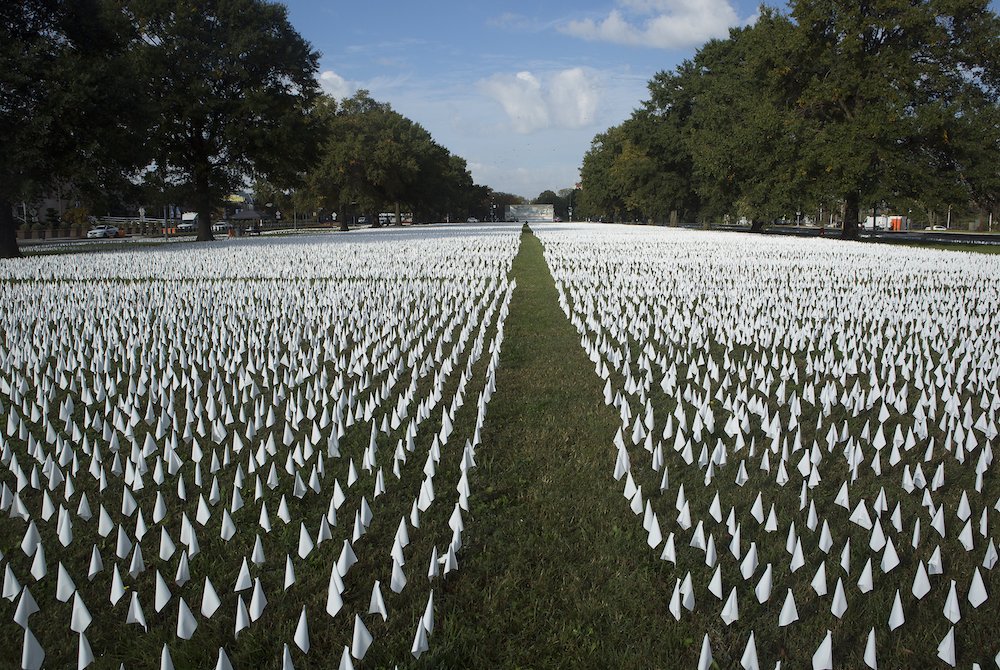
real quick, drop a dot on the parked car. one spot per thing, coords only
(472, 219)
(102, 231)
(186, 227)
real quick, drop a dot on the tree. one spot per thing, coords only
(741, 134)
(655, 166)
(837, 104)
(601, 195)
(498, 201)
(235, 85)
(549, 197)
(374, 157)
(70, 112)
(879, 86)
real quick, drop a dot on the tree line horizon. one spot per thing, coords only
(833, 106)
(187, 101)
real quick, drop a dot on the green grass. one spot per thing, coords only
(975, 248)
(554, 571)
(555, 574)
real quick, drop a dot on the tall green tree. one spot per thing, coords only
(550, 197)
(375, 158)
(601, 196)
(743, 139)
(235, 86)
(880, 85)
(70, 110)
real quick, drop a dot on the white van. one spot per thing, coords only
(189, 222)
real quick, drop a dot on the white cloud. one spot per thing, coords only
(336, 86)
(521, 97)
(565, 99)
(573, 98)
(664, 24)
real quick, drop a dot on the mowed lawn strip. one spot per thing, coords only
(554, 571)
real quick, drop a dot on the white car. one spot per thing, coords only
(472, 219)
(102, 231)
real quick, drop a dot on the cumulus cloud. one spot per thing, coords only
(564, 99)
(664, 24)
(573, 97)
(336, 86)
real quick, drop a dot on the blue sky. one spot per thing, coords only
(518, 89)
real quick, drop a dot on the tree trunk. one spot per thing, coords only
(399, 216)
(343, 220)
(8, 231)
(851, 209)
(756, 226)
(980, 221)
(203, 204)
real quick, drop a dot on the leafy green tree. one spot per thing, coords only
(837, 104)
(375, 158)
(498, 201)
(70, 111)
(655, 166)
(741, 134)
(235, 85)
(879, 86)
(549, 197)
(601, 195)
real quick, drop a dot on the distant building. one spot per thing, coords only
(531, 213)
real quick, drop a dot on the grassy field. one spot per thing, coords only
(738, 331)
(639, 329)
(286, 357)
(554, 576)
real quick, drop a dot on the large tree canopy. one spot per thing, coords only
(374, 158)
(70, 110)
(235, 86)
(883, 86)
(836, 104)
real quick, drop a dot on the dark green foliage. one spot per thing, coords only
(884, 89)
(235, 86)
(562, 202)
(742, 134)
(601, 196)
(70, 110)
(374, 158)
(838, 105)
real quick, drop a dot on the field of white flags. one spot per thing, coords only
(255, 454)
(807, 436)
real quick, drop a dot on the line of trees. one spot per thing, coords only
(374, 159)
(835, 106)
(186, 101)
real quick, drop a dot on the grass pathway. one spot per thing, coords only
(552, 574)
